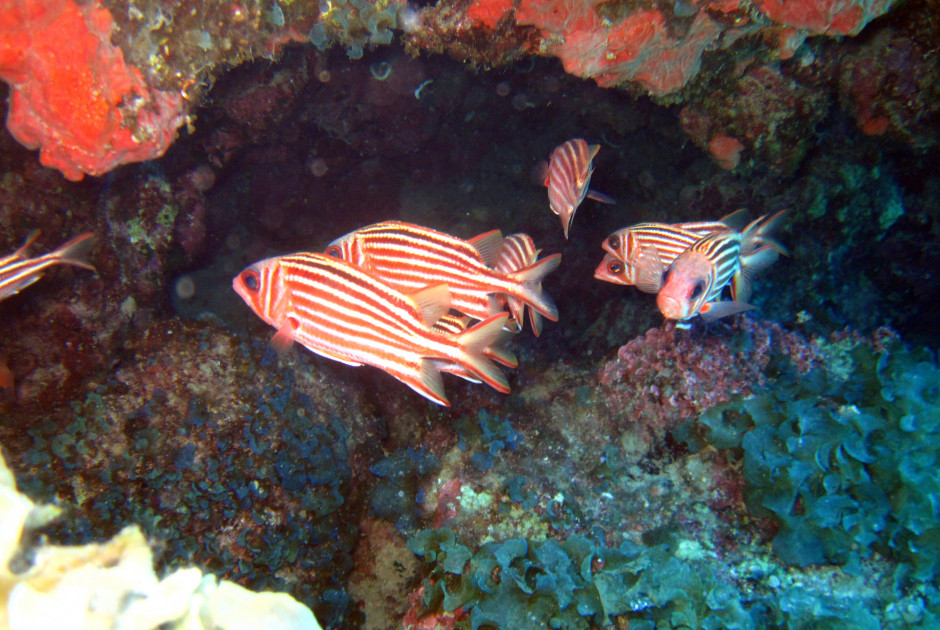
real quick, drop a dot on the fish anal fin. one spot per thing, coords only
(433, 302)
(430, 384)
(712, 311)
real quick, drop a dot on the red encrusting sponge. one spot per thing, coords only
(72, 94)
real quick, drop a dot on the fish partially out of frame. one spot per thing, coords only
(18, 272)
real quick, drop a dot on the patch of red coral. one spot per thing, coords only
(830, 17)
(637, 48)
(489, 12)
(72, 95)
(726, 150)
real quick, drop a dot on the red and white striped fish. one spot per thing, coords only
(636, 255)
(693, 283)
(343, 313)
(518, 251)
(567, 174)
(18, 272)
(410, 257)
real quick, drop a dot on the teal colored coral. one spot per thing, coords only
(847, 463)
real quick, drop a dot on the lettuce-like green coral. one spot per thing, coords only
(847, 463)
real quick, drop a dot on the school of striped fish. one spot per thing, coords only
(416, 302)
(403, 298)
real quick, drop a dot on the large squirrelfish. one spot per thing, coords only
(568, 178)
(410, 257)
(18, 272)
(343, 313)
(693, 283)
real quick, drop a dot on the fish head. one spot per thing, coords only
(616, 243)
(261, 285)
(686, 286)
(614, 270)
(346, 248)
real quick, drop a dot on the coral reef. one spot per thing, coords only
(113, 584)
(73, 96)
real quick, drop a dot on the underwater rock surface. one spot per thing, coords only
(773, 469)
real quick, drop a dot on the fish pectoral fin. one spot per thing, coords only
(600, 197)
(433, 302)
(716, 310)
(488, 244)
(283, 339)
(649, 270)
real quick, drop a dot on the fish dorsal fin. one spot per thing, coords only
(716, 310)
(433, 302)
(488, 244)
(737, 220)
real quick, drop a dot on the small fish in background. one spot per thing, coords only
(567, 174)
(343, 313)
(636, 255)
(18, 272)
(518, 251)
(411, 257)
(693, 283)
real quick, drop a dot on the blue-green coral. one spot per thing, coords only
(356, 24)
(846, 462)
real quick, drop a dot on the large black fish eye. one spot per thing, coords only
(697, 290)
(615, 267)
(251, 280)
(614, 242)
(334, 251)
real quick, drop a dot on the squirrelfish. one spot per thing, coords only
(411, 257)
(567, 175)
(637, 255)
(693, 283)
(18, 272)
(343, 313)
(518, 251)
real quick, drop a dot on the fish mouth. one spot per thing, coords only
(670, 307)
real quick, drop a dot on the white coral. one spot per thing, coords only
(112, 585)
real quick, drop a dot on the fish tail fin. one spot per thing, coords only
(758, 233)
(75, 252)
(529, 283)
(475, 342)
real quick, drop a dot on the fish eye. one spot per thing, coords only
(334, 251)
(697, 290)
(614, 242)
(250, 278)
(616, 268)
